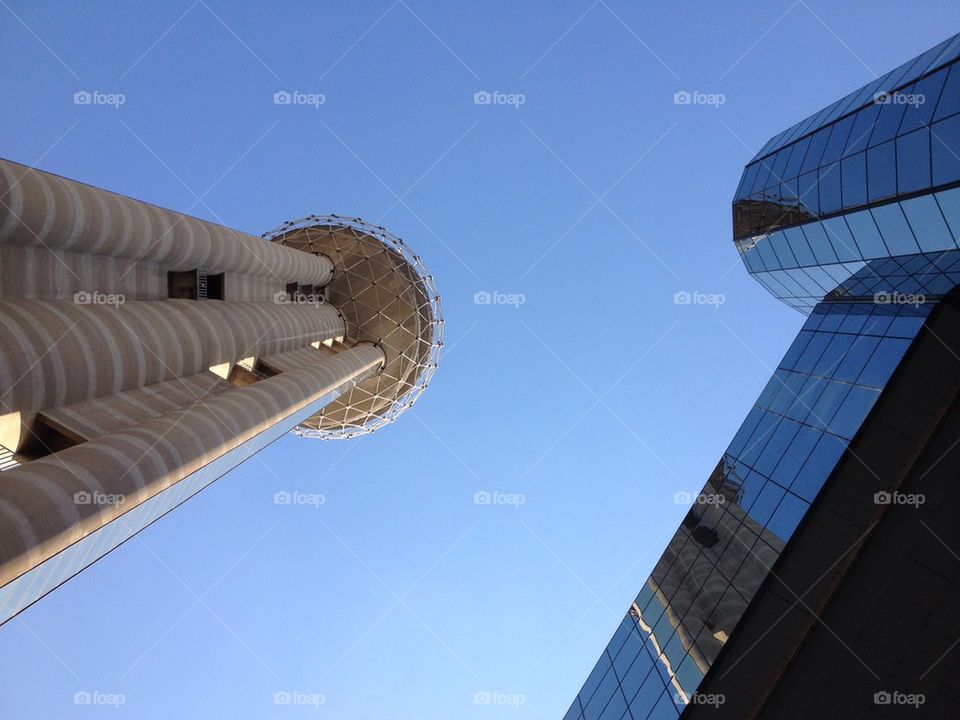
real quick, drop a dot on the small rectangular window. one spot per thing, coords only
(892, 107)
(949, 102)
(818, 466)
(921, 103)
(815, 151)
(215, 287)
(862, 127)
(853, 173)
(945, 146)
(809, 201)
(842, 241)
(881, 172)
(819, 243)
(913, 161)
(796, 159)
(182, 284)
(838, 140)
(866, 235)
(928, 225)
(894, 229)
(779, 162)
(746, 182)
(829, 183)
(787, 517)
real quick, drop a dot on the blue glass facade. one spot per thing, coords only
(867, 261)
(871, 177)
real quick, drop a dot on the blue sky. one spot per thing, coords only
(585, 189)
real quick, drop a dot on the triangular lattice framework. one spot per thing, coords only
(386, 296)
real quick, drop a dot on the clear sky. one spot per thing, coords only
(582, 189)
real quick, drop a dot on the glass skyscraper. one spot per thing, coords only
(851, 216)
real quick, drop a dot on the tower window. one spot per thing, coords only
(182, 284)
(195, 285)
(215, 287)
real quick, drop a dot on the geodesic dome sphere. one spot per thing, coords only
(386, 297)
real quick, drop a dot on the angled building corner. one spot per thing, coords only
(817, 574)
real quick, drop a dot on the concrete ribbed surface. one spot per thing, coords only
(56, 352)
(38, 502)
(40, 208)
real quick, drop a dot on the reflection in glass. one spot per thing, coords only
(851, 217)
(882, 146)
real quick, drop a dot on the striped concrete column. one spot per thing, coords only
(57, 352)
(39, 208)
(51, 503)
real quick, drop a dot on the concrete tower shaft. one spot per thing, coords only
(144, 353)
(61, 215)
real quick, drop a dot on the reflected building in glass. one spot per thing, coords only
(809, 578)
